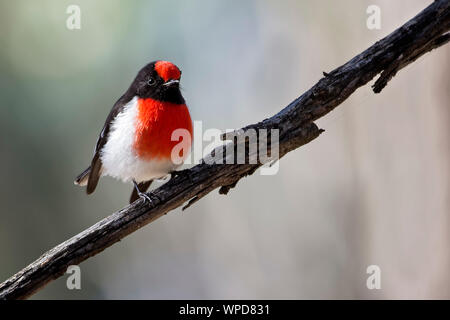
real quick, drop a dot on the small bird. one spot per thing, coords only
(135, 143)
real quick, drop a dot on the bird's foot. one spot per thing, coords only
(148, 197)
(145, 196)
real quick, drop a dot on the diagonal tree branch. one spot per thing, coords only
(423, 33)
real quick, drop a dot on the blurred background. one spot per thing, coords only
(373, 189)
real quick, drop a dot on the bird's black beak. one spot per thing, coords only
(172, 83)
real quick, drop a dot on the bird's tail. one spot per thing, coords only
(83, 178)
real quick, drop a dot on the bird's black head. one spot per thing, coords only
(159, 80)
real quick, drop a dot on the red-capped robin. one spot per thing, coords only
(135, 143)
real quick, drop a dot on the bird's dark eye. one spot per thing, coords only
(151, 81)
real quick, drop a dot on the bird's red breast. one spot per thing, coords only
(156, 120)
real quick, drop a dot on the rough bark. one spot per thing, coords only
(426, 31)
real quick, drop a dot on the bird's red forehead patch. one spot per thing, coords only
(167, 70)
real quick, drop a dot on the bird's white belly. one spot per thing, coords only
(118, 157)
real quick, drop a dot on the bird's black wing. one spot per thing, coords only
(96, 163)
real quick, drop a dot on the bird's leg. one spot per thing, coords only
(141, 195)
